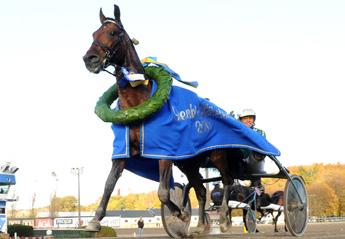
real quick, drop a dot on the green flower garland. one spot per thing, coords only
(142, 111)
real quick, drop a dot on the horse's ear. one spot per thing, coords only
(117, 13)
(101, 16)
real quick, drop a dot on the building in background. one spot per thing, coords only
(7, 179)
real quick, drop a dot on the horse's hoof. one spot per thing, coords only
(93, 226)
(200, 230)
(225, 223)
(177, 227)
(185, 216)
(207, 228)
(225, 226)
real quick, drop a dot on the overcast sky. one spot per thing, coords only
(285, 59)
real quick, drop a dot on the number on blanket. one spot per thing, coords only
(202, 126)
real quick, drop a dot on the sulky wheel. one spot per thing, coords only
(251, 220)
(175, 227)
(296, 206)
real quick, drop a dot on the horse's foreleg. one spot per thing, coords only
(165, 173)
(261, 214)
(115, 172)
(230, 216)
(244, 212)
(275, 220)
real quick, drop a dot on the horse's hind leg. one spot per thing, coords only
(165, 173)
(191, 169)
(115, 172)
(200, 192)
(220, 161)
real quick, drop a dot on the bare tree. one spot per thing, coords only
(13, 210)
(33, 201)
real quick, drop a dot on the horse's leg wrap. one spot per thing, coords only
(115, 173)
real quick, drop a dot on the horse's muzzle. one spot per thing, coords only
(93, 63)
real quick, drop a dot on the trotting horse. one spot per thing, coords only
(113, 47)
(242, 194)
(276, 199)
(265, 204)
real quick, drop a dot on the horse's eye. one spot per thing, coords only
(112, 33)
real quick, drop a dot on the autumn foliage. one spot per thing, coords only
(325, 185)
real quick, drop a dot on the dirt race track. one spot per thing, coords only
(314, 230)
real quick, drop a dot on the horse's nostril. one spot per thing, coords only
(94, 59)
(91, 58)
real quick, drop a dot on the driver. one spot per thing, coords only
(248, 117)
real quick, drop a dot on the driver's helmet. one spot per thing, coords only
(247, 112)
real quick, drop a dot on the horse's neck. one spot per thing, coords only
(132, 60)
(132, 96)
(264, 199)
(277, 196)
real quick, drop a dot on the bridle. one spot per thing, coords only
(113, 49)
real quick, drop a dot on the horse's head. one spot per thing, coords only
(238, 193)
(109, 44)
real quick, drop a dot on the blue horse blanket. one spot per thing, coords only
(186, 126)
